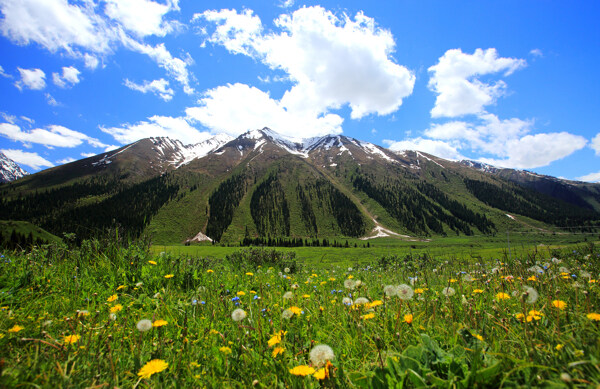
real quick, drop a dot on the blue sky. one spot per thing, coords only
(511, 83)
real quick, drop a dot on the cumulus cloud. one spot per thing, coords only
(53, 136)
(595, 144)
(173, 127)
(87, 155)
(69, 77)
(237, 108)
(455, 81)
(142, 17)
(592, 177)
(157, 87)
(82, 31)
(33, 160)
(31, 79)
(435, 147)
(331, 61)
(65, 160)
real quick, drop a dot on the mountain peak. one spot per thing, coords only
(9, 170)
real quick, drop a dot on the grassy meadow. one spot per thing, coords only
(109, 315)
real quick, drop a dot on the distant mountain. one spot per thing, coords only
(262, 185)
(9, 170)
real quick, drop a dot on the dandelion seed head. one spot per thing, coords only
(448, 291)
(390, 290)
(349, 284)
(288, 295)
(320, 354)
(238, 314)
(531, 295)
(347, 301)
(361, 301)
(144, 325)
(287, 314)
(405, 292)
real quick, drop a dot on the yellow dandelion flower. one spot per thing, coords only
(252, 292)
(112, 298)
(277, 351)
(559, 347)
(249, 274)
(70, 339)
(225, 350)
(210, 271)
(241, 293)
(478, 337)
(373, 304)
(408, 318)
(122, 287)
(160, 323)
(194, 364)
(152, 262)
(520, 316)
(594, 316)
(477, 291)
(323, 283)
(214, 332)
(331, 279)
(302, 370)
(452, 280)
(16, 328)
(532, 278)
(306, 296)
(169, 276)
(275, 339)
(419, 290)
(152, 367)
(559, 304)
(502, 296)
(368, 316)
(116, 308)
(296, 310)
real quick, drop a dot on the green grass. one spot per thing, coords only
(24, 228)
(56, 327)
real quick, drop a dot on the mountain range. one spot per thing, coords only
(9, 170)
(264, 185)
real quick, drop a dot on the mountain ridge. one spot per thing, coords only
(10, 170)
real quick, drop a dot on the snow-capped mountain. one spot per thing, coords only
(9, 170)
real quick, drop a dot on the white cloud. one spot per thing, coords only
(237, 108)
(592, 177)
(537, 53)
(90, 61)
(31, 79)
(3, 73)
(9, 118)
(286, 3)
(175, 128)
(111, 148)
(141, 17)
(538, 150)
(65, 160)
(54, 136)
(69, 77)
(52, 101)
(438, 148)
(158, 87)
(331, 61)
(595, 144)
(32, 160)
(87, 155)
(28, 120)
(56, 25)
(459, 91)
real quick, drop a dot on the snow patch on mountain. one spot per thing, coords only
(9, 170)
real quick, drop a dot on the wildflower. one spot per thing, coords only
(302, 370)
(559, 347)
(477, 291)
(112, 298)
(361, 301)
(144, 325)
(452, 280)
(249, 274)
(160, 323)
(210, 271)
(286, 270)
(408, 318)
(502, 296)
(373, 304)
(152, 367)
(349, 284)
(70, 339)
(520, 316)
(287, 314)
(347, 301)
(152, 262)
(238, 315)
(368, 316)
(390, 290)
(296, 310)
(277, 351)
(112, 317)
(225, 350)
(169, 276)
(288, 295)
(295, 286)
(82, 313)
(534, 315)
(405, 292)
(323, 373)
(306, 296)
(116, 308)
(559, 304)
(321, 354)
(594, 316)
(16, 328)
(122, 287)
(241, 293)
(448, 291)
(532, 278)
(276, 339)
